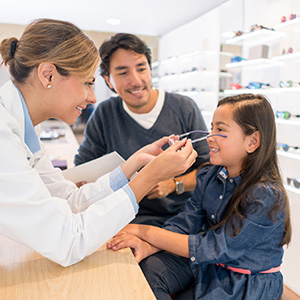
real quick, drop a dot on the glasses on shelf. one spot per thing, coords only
(288, 83)
(291, 17)
(176, 138)
(285, 147)
(285, 115)
(257, 85)
(290, 50)
(256, 27)
(235, 86)
(235, 59)
(294, 181)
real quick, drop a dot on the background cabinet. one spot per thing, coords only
(279, 67)
(204, 35)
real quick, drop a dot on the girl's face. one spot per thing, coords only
(231, 151)
(70, 96)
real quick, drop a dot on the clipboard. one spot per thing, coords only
(92, 170)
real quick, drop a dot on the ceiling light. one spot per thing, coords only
(113, 21)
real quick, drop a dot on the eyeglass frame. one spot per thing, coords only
(289, 115)
(286, 147)
(295, 182)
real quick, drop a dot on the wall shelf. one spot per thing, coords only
(263, 36)
(254, 63)
(292, 189)
(287, 154)
(291, 26)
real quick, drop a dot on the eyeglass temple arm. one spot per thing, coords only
(193, 131)
(205, 137)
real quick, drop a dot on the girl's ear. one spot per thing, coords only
(254, 142)
(45, 74)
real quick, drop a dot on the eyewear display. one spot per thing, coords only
(237, 59)
(256, 27)
(295, 182)
(235, 86)
(288, 83)
(291, 17)
(238, 33)
(256, 85)
(285, 115)
(288, 51)
(285, 147)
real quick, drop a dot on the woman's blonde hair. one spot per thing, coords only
(54, 41)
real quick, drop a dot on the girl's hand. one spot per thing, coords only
(140, 248)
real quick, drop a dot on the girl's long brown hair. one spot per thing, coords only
(254, 113)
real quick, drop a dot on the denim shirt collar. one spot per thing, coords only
(223, 176)
(31, 139)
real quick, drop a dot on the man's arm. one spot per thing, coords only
(167, 187)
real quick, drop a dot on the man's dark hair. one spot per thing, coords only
(125, 41)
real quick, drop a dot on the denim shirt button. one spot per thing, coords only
(212, 216)
(231, 180)
(221, 197)
(193, 258)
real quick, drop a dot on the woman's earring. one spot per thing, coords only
(249, 152)
(49, 86)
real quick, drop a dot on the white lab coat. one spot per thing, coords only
(42, 210)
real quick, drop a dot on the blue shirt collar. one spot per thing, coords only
(31, 139)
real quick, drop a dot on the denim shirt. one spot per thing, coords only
(256, 247)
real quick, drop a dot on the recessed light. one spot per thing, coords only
(113, 21)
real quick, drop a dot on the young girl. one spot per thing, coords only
(230, 236)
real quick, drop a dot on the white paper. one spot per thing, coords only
(92, 170)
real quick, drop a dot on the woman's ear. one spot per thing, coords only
(254, 142)
(45, 74)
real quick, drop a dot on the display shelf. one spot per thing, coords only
(290, 26)
(291, 189)
(225, 74)
(263, 36)
(287, 57)
(287, 122)
(227, 54)
(254, 63)
(197, 93)
(289, 155)
(263, 91)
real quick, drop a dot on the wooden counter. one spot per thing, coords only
(104, 275)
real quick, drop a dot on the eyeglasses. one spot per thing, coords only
(256, 27)
(256, 85)
(237, 59)
(235, 86)
(285, 147)
(288, 83)
(285, 115)
(288, 51)
(175, 139)
(291, 17)
(295, 182)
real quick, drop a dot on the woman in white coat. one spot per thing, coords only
(53, 66)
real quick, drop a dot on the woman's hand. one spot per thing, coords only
(140, 248)
(173, 161)
(167, 164)
(143, 156)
